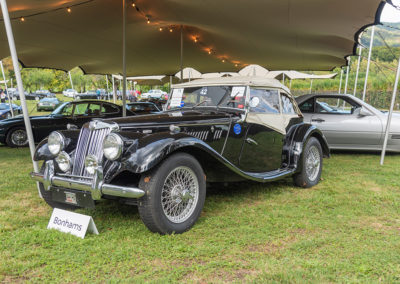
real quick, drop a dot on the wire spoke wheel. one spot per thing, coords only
(313, 163)
(180, 194)
(19, 137)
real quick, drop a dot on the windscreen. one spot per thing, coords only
(211, 96)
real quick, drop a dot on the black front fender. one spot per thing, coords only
(149, 151)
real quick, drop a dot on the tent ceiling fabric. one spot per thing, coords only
(279, 35)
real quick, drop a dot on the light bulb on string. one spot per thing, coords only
(160, 29)
(69, 10)
(133, 4)
(171, 30)
(22, 19)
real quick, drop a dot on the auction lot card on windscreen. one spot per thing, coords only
(238, 92)
(176, 98)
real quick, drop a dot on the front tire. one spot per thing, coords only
(175, 192)
(311, 164)
(17, 137)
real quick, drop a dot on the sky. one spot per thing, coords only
(391, 14)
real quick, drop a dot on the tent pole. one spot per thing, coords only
(14, 56)
(368, 62)
(181, 53)
(311, 85)
(347, 75)
(107, 82)
(124, 58)
(5, 84)
(70, 79)
(283, 79)
(358, 69)
(114, 92)
(341, 77)
(290, 84)
(389, 119)
(170, 83)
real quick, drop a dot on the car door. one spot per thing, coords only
(263, 140)
(343, 126)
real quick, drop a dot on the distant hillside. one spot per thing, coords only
(389, 31)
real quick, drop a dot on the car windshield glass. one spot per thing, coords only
(4, 106)
(59, 110)
(211, 96)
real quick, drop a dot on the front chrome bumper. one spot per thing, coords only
(93, 185)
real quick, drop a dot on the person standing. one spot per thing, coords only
(2, 96)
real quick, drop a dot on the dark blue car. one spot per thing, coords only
(5, 110)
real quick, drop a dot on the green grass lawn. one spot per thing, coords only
(346, 229)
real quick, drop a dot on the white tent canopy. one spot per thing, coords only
(253, 70)
(188, 73)
(295, 75)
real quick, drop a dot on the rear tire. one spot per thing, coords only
(175, 192)
(311, 165)
(17, 137)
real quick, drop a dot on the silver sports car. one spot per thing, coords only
(349, 123)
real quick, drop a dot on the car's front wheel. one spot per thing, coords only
(17, 137)
(175, 192)
(311, 165)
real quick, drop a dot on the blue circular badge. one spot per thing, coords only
(237, 129)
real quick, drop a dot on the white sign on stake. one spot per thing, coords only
(73, 223)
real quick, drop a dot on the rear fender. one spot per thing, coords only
(297, 139)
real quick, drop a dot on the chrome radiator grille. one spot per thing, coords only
(90, 142)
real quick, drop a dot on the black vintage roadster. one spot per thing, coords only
(220, 130)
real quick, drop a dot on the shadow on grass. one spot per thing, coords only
(218, 196)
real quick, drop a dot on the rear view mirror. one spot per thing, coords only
(365, 112)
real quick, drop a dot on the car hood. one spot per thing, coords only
(172, 117)
(20, 118)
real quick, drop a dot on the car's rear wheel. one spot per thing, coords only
(175, 195)
(311, 171)
(17, 137)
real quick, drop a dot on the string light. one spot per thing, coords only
(22, 19)
(171, 30)
(148, 20)
(209, 51)
(133, 4)
(223, 60)
(160, 29)
(69, 10)
(196, 39)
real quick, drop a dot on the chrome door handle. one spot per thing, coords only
(251, 141)
(318, 120)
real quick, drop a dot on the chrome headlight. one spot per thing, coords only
(113, 146)
(91, 164)
(64, 161)
(56, 142)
